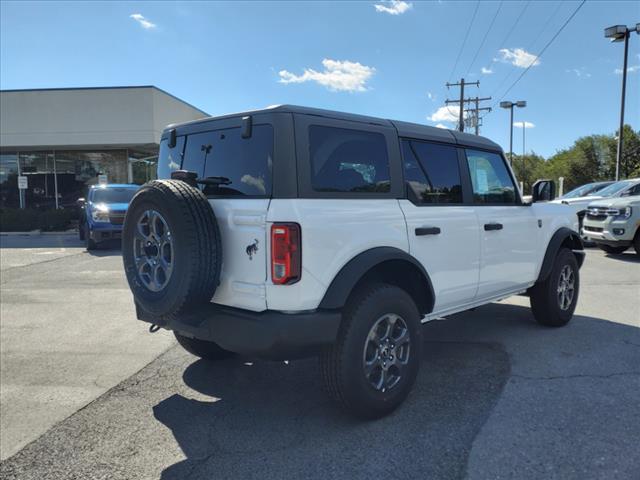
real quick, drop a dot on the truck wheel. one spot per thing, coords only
(202, 348)
(88, 242)
(171, 249)
(554, 300)
(374, 362)
(636, 243)
(612, 250)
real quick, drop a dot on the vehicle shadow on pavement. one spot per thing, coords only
(273, 420)
(628, 256)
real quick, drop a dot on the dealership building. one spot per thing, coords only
(63, 140)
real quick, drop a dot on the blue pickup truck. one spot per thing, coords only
(103, 211)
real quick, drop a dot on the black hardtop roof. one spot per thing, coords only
(405, 129)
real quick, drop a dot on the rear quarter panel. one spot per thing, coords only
(333, 232)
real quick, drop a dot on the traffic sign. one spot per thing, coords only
(23, 184)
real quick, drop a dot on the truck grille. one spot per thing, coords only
(117, 217)
(592, 229)
(597, 213)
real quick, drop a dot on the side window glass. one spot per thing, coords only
(345, 160)
(490, 178)
(170, 159)
(432, 172)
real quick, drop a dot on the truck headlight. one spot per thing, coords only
(100, 213)
(626, 213)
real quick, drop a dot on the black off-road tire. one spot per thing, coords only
(636, 243)
(544, 296)
(612, 250)
(196, 248)
(342, 364)
(88, 242)
(202, 348)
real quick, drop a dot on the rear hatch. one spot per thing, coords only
(242, 164)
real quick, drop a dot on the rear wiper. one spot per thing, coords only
(214, 181)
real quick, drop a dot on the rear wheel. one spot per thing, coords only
(202, 348)
(612, 250)
(372, 367)
(636, 243)
(554, 300)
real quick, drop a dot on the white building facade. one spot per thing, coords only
(64, 140)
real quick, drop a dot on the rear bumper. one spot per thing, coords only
(270, 334)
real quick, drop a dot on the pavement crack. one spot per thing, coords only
(579, 375)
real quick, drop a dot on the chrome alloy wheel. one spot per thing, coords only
(153, 250)
(566, 287)
(386, 352)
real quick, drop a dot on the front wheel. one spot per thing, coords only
(612, 250)
(554, 300)
(90, 244)
(202, 348)
(373, 364)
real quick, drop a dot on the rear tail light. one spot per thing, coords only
(286, 253)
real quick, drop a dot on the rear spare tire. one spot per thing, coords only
(171, 248)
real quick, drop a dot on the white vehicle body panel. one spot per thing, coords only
(242, 224)
(333, 232)
(451, 258)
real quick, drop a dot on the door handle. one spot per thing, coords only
(492, 226)
(427, 231)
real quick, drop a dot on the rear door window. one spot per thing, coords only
(432, 172)
(346, 160)
(490, 178)
(243, 165)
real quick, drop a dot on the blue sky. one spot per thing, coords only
(391, 60)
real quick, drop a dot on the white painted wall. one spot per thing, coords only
(107, 117)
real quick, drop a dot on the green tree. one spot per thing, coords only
(630, 162)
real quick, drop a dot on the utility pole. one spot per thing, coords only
(460, 84)
(475, 112)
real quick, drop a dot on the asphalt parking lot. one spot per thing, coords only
(86, 392)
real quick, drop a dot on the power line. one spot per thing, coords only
(484, 38)
(464, 42)
(529, 46)
(515, 24)
(544, 49)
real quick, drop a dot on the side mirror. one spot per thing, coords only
(80, 202)
(543, 191)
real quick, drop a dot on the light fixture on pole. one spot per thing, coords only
(510, 105)
(620, 33)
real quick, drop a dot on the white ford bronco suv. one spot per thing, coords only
(292, 232)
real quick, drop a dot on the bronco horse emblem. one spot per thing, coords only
(252, 249)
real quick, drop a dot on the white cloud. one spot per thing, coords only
(446, 114)
(579, 72)
(439, 125)
(395, 7)
(486, 71)
(631, 69)
(144, 23)
(526, 124)
(518, 57)
(338, 75)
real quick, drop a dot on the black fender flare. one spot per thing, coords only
(350, 274)
(563, 236)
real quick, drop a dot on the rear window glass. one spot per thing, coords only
(432, 172)
(345, 160)
(170, 159)
(243, 165)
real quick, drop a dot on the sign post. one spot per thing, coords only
(23, 184)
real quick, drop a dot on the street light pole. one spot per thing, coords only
(619, 33)
(510, 105)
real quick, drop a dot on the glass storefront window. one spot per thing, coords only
(9, 195)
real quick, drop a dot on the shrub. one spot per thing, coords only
(25, 220)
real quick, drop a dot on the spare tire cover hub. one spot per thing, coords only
(153, 250)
